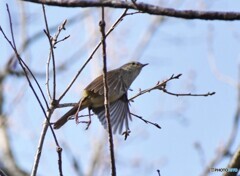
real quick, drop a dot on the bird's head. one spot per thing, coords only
(130, 71)
(133, 66)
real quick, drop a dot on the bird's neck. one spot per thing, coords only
(129, 77)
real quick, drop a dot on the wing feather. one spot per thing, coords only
(119, 114)
(114, 84)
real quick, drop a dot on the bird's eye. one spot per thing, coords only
(133, 63)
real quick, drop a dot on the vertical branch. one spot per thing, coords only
(106, 101)
(51, 54)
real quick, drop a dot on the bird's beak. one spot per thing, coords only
(143, 65)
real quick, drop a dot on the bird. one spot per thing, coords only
(119, 81)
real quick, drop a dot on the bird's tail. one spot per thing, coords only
(78, 107)
(60, 122)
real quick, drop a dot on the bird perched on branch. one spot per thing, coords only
(119, 81)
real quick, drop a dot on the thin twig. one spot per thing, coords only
(157, 87)
(61, 40)
(188, 94)
(162, 86)
(146, 121)
(47, 77)
(59, 151)
(51, 54)
(106, 100)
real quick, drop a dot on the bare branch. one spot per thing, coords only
(106, 98)
(146, 121)
(162, 86)
(66, 105)
(188, 94)
(158, 86)
(59, 151)
(52, 42)
(145, 8)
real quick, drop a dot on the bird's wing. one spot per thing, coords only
(114, 83)
(119, 114)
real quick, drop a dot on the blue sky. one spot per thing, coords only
(178, 46)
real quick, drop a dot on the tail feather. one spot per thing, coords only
(81, 105)
(60, 122)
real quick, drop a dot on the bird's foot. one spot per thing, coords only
(76, 119)
(88, 124)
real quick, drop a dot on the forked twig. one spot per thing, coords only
(157, 86)
(162, 86)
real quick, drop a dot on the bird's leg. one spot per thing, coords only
(76, 114)
(90, 121)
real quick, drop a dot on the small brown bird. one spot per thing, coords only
(119, 81)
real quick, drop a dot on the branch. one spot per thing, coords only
(158, 86)
(188, 94)
(106, 98)
(146, 121)
(52, 42)
(145, 8)
(162, 85)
